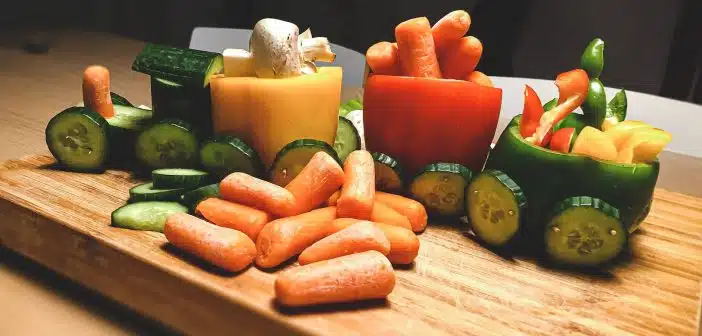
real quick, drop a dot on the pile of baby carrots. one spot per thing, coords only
(439, 51)
(345, 234)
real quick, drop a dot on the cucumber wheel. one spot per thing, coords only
(172, 178)
(147, 192)
(78, 138)
(192, 198)
(585, 231)
(347, 139)
(170, 143)
(148, 216)
(441, 188)
(295, 156)
(495, 206)
(223, 155)
(388, 173)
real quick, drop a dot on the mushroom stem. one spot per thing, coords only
(317, 49)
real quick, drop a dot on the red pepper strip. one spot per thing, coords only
(531, 114)
(572, 90)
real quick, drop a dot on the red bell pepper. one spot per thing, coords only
(531, 114)
(562, 140)
(420, 121)
(572, 91)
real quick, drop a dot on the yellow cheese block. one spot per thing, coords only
(269, 113)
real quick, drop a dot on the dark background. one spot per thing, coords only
(652, 46)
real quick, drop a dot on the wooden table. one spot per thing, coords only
(37, 87)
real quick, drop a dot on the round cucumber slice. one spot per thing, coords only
(168, 144)
(495, 205)
(170, 178)
(295, 156)
(347, 139)
(441, 188)
(78, 138)
(192, 198)
(223, 155)
(147, 192)
(585, 231)
(388, 173)
(148, 216)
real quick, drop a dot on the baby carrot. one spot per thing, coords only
(250, 191)
(450, 28)
(404, 244)
(461, 57)
(359, 237)
(226, 248)
(415, 45)
(413, 210)
(334, 198)
(478, 77)
(360, 276)
(234, 216)
(383, 213)
(320, 178)
(284, 238)
(96, 90)
(383, 58)
(356, 199)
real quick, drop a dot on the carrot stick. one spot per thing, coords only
(413, 210)
(383, 59)
(250, 191)
(356, 199)
(360, 237)
(478, 77)
(320, 178)
(234, 216)
(460, 58)
(404, 244)
(415, 45)
(226, 248)
(450, 28)
(96, 90)
(284, 238)
(384, 213)
(360, 276)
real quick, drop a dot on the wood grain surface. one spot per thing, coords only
(61, 219)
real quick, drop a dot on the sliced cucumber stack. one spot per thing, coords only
(185, 66)
(295, 156)
(388, 173)
(147, 192)
(585, 231)
(79, 139)
(223, 155)
(148, 216)
(347, 139)
(441, 188)
(495, 205)
(125, 127)
(174, 178)
(168, 144)
(192, 198)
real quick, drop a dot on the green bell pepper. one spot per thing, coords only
(595, 105)
(592, 60)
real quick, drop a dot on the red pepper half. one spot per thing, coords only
(420, 121)
(531, 114)
(562, 140)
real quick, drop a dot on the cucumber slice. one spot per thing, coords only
(130, 118)
(170, 178)
(224, 154)
(147, 216)
(295, 156)
(388, 173)
(192, 198)
(189, 103)
(78, 138)
(585, 231)
(441, 187)
(147, 192)
(125, 127)
(185, 66)
(168, 144)
(119, 100)
(347, 139)
(495, 205)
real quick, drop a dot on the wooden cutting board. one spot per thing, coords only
(61, 219)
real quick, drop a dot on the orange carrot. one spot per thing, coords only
(415, 45)
(450, 28)
(360, 237)
(413, 210)
(356, 199)
(250, 191)
(383, 59)
(320, 178)
(284, 238)
(234, 216)
(404, 244)
(360, 276)
(460, 58)
(384, 213)
(96, 90)
(334, 198)
(478, 77)
(226, 248)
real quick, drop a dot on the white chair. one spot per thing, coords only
(218, 39)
